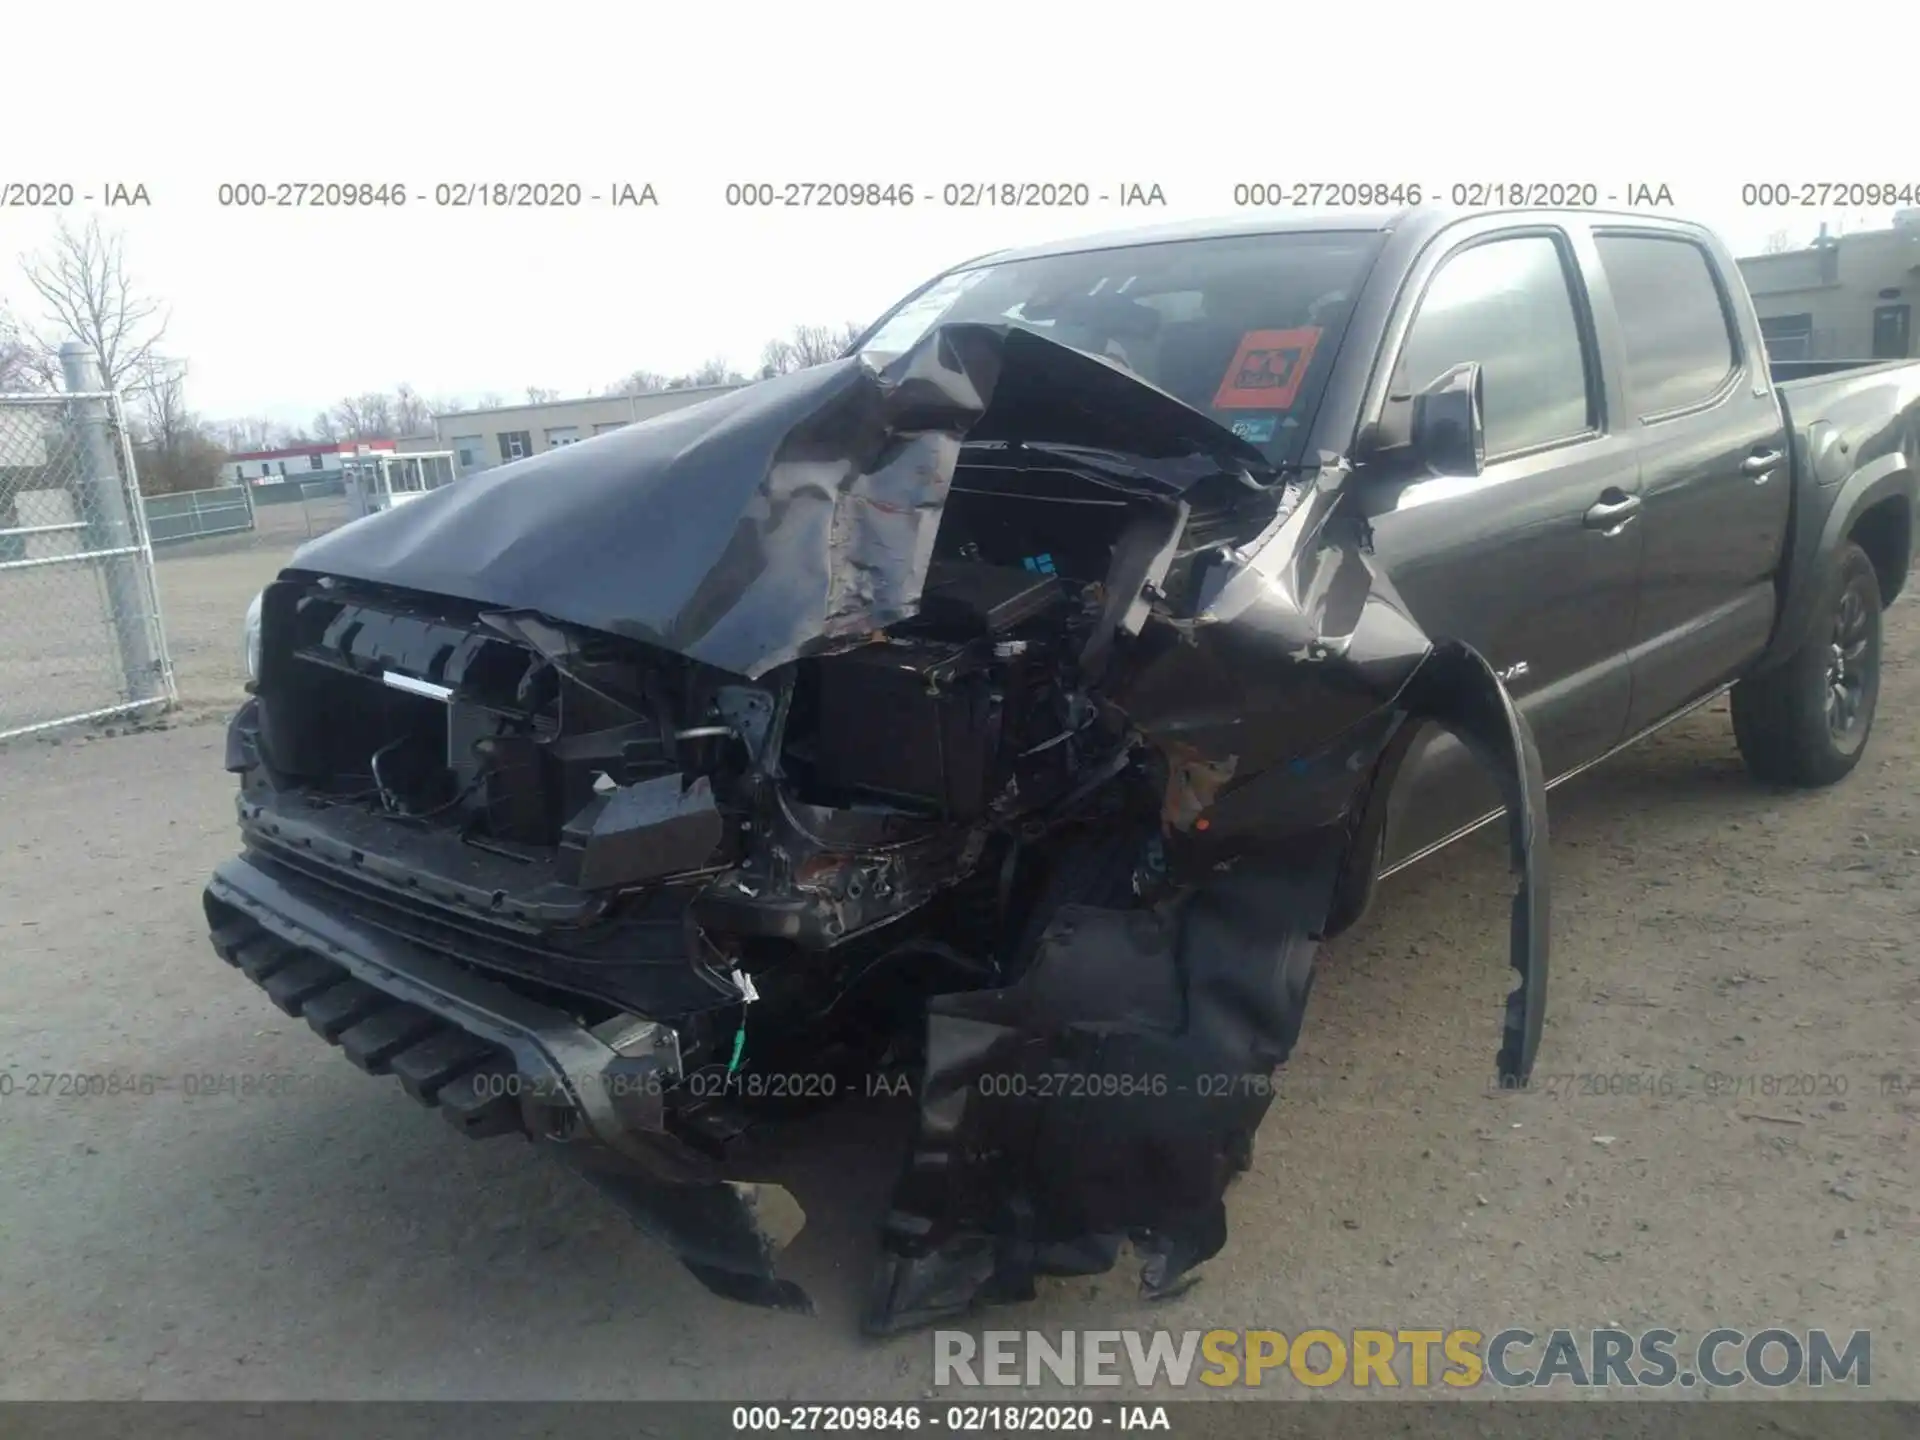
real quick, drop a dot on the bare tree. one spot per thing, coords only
(18, 368)
(365, 417)
(1778, 243)
(711, 372)
(641, 382)
(252, 432)
(411, 413)
(160, 401)
(651, 382)
(540, 394)
(807, 345)
(172, 449)
(89, 295)
(325, 431)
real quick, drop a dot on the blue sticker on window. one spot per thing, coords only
(1257, 428)
(1039, 564)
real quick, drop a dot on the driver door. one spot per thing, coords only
(1534, 562)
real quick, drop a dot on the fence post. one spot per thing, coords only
(103, 502)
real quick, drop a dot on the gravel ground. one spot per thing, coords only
(341, 1242)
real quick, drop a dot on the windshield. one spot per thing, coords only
(1242, 328)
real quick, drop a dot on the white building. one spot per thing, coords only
(295, 463)
(481, 439)
(1845, 297)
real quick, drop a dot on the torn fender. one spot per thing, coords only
(1114, 1089)
(1300, 684)
(1457, 689)
(783, 519)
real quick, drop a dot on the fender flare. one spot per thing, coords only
(1458, 690)
(1887, 477)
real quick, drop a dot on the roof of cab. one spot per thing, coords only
(1417, 222)
(1264, 222)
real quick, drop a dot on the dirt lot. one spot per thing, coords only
(339, 1241)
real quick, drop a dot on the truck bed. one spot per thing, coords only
(1871, 406)
(1793, 374)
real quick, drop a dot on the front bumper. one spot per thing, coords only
(495, 1062)
(491, 1059)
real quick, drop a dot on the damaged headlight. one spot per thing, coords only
(250, 634)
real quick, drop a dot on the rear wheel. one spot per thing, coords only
(1806, 722)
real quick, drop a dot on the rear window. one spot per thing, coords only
(1242, 328)
(1680, 347)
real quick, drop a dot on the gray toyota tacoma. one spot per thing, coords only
(1013, 705)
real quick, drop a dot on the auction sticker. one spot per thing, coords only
(1267, 370)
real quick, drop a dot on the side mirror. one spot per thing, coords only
(1448, 432)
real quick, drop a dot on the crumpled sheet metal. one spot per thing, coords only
(788, 518)
(1306, 644)
(1112, 1092)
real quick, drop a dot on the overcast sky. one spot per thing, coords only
(281, 312)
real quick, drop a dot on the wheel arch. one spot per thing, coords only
(1885, 531)
(1873, 508)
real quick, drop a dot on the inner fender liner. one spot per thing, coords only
(1107, 1095)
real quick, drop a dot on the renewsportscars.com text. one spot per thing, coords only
(1513, 1358)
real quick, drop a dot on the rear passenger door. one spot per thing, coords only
(1715, 488)
(1515, 561)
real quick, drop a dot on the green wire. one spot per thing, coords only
(739, 1047)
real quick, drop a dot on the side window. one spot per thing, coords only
(1507, 305)
(1680, 346)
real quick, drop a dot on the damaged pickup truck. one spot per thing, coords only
(1017, 702)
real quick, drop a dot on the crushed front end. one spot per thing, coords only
(995, 719)
(572, 886)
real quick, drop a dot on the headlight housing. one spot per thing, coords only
(251, 636)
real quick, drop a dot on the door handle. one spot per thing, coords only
(1761, 466)
(1610, 517)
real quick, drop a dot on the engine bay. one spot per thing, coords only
(808, 810)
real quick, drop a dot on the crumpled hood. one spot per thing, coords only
(775, 521)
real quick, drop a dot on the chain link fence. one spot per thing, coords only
(80, 631)
(324, 506)
(191, 514)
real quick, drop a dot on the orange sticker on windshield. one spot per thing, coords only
(1267, 370)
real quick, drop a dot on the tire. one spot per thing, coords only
(1806, 721)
